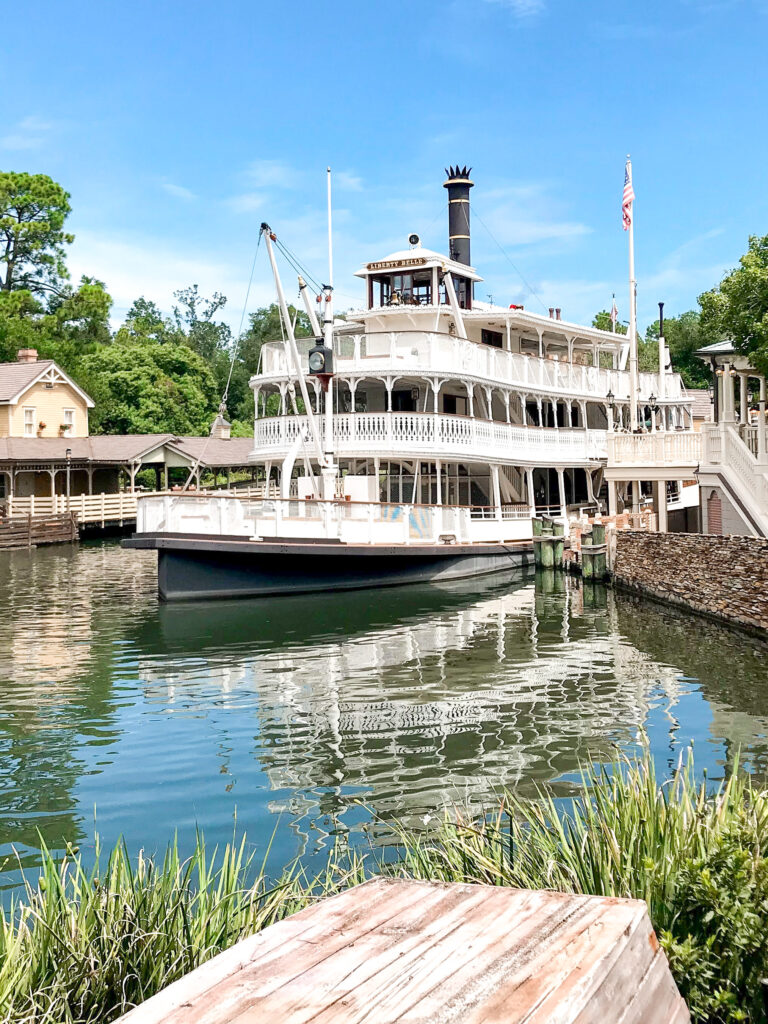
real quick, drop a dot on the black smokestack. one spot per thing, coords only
(458, 185)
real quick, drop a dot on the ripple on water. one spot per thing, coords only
(299, 718)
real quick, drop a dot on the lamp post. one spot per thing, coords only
(610, 400)
(68, 454)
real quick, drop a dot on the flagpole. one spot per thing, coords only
(632, 320)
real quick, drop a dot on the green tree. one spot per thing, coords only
(265, 326)
(149, 388)
(602, 321)
(33, 209)
(738, 307)
(683, 335)
(146, 323)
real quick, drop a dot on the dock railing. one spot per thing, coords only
(352, 522)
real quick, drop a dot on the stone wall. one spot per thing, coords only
(724, 577)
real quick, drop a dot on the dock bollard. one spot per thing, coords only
(593, 549)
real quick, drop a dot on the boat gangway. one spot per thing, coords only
(401, 950)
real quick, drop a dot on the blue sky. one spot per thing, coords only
(179, 126)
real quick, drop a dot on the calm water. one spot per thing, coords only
(303, 717)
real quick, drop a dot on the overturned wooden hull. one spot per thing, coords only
(194, 568)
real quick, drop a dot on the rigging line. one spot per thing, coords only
(506, 256)
(297, 264)
(235, 349)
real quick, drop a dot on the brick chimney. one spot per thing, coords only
(27, 355)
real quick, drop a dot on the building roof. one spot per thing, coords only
(701, 403)
(122, 449)
(417, 258)
(720, 348)
(18, 377)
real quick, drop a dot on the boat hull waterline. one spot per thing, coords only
(195, 568)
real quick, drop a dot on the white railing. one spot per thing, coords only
(211, 515)
(437, 436)
(723, 447)
(414, 352)
(674, 448)
(89, 508)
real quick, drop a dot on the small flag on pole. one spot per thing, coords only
(614, 315)
(628, 197)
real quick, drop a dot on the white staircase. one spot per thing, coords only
(726, 458)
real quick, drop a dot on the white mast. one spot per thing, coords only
(328, 336)
(291, 345)
(313, 321)
(629, 213)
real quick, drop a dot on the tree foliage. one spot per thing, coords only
(33, 209)
(147, 387)
(602, 321)
(684, 334)
(738, 307)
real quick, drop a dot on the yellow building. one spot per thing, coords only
(38, 399)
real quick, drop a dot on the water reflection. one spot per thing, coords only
(288, 714)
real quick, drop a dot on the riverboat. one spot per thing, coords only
(416, 438)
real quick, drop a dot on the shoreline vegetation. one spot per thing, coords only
(85, 944)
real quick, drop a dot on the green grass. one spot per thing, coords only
(698, 858)
(86, 945)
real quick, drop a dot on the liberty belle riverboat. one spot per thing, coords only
(433, 428)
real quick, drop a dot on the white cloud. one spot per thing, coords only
(271, 174)
(28, 133)
(246, 202)
(347, 181)
(526, 214)
(520, 8)
(150, 267)
(178, 191)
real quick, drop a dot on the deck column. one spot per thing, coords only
(743, 403)
(761, 424)
(636, 493)
(496, 490)
(561, 489)
(529, 487)
(613, 504)
(660, 504)
(438, 477)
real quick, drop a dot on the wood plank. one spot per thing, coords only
(417, 952)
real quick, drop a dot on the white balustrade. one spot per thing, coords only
(438, 436)
(673, 448)
(350, 522)
(431, 354)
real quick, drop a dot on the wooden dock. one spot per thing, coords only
(424, 952)
(29, 531)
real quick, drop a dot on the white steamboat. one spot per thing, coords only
(415, 440)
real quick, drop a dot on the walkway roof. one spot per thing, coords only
(123, 449)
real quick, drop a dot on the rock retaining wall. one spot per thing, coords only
(724, 577)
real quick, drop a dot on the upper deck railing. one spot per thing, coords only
(430, 354)
(437, 436)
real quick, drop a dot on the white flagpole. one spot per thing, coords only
(632, 318)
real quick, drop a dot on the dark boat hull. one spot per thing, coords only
(194, 568)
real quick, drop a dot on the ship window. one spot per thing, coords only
(495, 338)
(455, 405)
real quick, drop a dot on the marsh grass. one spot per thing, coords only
(84, 945)
(696, 854)
(87, 945)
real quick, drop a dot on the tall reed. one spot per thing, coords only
(696, 855)
(87, 945)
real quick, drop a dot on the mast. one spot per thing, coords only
(328, 336)
(291, 346)
(629, 200)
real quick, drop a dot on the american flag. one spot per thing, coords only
(629, 196)
(614, 315)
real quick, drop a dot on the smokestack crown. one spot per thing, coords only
(458, 184)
